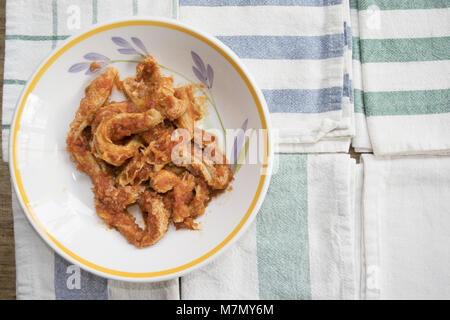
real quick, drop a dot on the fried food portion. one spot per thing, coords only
(149, 89)
(127, 148)
(96, 95)
(212, 166)
(117, 127)
(193, 110)
(163, 181)
(156, 220)
(111, 207)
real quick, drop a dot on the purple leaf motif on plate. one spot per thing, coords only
(140, 45)
(210, 75)
(121, 42)
(94, 56)
(128, 51)
(238, 143)
(199, 75)
(198, 62)
(204, 74)
(127, 48)
(77, 67)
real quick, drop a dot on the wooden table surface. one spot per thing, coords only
(7, 261)
(7, 266)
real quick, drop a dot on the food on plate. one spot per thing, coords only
(146, 151)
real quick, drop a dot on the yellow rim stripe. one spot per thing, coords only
(33, 84)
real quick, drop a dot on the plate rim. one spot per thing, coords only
(245, 221)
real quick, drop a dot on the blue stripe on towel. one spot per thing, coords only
(348, 88)
(73, 283)
(286, 47)
(220, 3)
(304, 101)
(347, 36)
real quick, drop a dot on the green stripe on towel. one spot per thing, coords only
(359, 101)
(399, 4)
(135, 7)
(405, 50)
(282, 233)
(94, 11)
(407, 102)
(54, 21)
(356, 54)
(175, 9)
(34, 38)
(14, 81)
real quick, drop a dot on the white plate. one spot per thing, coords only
(57, 199)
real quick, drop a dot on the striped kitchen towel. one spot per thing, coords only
(304, 243)
(296, 51)
(404, 53)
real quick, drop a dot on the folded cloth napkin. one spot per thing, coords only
(405, 61)
(296, 51)
(302, 245)
(406, 230)
(361, 140)
(38, 26)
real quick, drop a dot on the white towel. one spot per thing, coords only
(299, 53)
(407, 222)
(302, 245)
(405, 62)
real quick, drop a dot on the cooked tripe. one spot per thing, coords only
(126, 149)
